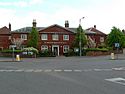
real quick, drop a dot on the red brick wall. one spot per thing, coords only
(60, 42)
(4, 41)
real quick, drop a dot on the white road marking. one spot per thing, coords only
(60, 70)
(117, 80)
(77, 70)
(102, 69)
(57, 70)
(38, 70)
(117, 69)
(29, 70)
(67, 70)
(18, 70)
(48, 70)
(87, 70)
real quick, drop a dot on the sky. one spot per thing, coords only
(103, 13)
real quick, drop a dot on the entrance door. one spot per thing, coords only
(55, 49)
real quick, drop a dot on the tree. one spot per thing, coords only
(33, 38)
(18, 42)
(80, 36)
(116, 36)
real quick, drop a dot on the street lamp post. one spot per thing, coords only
(80, 46)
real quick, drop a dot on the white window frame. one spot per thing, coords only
(44, 47)
(101, 39)
(65, 37)
(65, 48)
(55, 37)
(44, 37)
(23, 36)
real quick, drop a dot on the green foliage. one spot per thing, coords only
(11, 51)
(30, 49)
(79, 38)
(33, 38)
(97, 49)
(116, 36)
(46, 53)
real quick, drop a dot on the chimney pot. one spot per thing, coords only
(94, 26)
(10, 26)
(66, 23)
(34, 23)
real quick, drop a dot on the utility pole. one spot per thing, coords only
(80, 46)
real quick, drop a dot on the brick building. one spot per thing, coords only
(5, 36)
(55, 37)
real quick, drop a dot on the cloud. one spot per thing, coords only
(21, 3)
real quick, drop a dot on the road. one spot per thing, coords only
(63, 75)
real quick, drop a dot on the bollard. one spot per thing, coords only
(112, 56)
(17, 58)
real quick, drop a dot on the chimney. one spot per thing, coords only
(123, 31)
(95, 26)
(10, 26)
(34, 23)
(66, 24)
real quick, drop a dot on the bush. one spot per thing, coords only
(46, 53)
(97, 49)
(31, 49)
(11, 51)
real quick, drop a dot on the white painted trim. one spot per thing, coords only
(57, 47)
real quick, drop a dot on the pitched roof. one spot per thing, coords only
(26, 30)
(4, 30)
(68, 29)
(29, 29)
(96, 31)
(91, 30)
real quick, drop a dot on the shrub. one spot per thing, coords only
(31, 49)
(46, 53)
(97, 49)
(11, 51)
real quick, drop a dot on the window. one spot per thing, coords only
(44, 37)
(44, 47)
(101, 39)
(65, 48)
(55, 37)
(24, 36)
(65, 37)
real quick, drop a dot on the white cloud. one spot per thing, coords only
(21, 3)
(104, 16)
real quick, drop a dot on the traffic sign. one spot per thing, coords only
(117, 45)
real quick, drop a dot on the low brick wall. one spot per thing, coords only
(21, 55)
(97, 53)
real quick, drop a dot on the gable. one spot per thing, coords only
(4, 30)
(56, 29)
(96, 31)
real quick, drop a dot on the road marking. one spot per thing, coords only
(102, 69)
(64, 70)
(118, 80)
(67, 70)
(117, 69)
(48, 70)
(18, 70)
(29, 70)
(87, 70)
(77, 70)
(57, 70)
(38, 70)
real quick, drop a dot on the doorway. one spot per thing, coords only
(55, 50)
